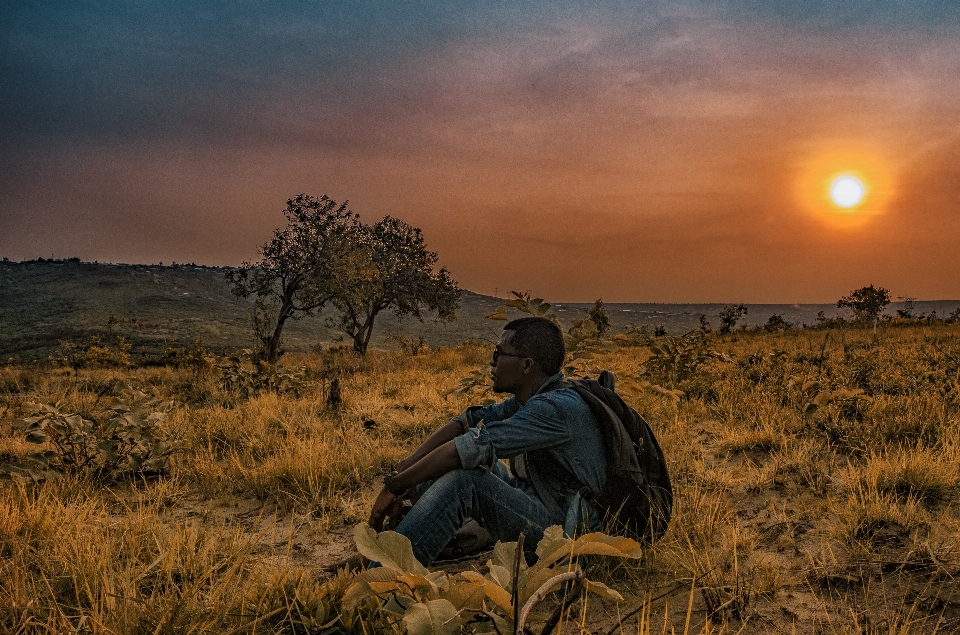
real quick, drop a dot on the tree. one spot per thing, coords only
(396, 272)
(300, 270)
(599, 316)
(867, 303)
(730, 315)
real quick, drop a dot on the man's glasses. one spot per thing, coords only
(497, 354)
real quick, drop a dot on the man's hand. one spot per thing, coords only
(386, 505)
(437, 463)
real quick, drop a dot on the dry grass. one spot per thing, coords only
(839, 519)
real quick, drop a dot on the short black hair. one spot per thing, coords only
(541, 340)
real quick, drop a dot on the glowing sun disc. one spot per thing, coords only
(846, 191)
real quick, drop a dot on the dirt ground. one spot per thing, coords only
(871, 598)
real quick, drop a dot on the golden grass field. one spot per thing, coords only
(802, 505)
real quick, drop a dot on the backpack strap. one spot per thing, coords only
(538, 463)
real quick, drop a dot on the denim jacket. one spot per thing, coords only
(557, 421)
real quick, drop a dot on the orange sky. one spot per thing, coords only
(671, 154)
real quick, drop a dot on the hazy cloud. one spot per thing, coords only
(662, 141)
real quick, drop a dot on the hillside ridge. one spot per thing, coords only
(46, 301)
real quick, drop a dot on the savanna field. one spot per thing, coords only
(815, 474)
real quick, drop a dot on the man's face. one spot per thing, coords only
(507, 365)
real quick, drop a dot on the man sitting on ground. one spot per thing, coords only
(457, 473)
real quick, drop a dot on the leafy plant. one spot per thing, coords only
(730, 315)
(634, 336)
(524, 303)
(239, 376)
(407, 343)
(474, 386)
(599, 316)
(94, 354)
(293, 603)
(125, 440)
(196, 357)
(434, 603)
(677, 358)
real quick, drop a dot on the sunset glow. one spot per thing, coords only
(662, 152)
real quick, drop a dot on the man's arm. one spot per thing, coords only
(438, 462)
(447, 433)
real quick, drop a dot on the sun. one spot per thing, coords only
(846, 191)
(844, 183)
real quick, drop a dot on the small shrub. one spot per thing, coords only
(95, 354)
(125, 440)
(730, 315)
(407, 343)
(677, 358)
(291, 602)
(777, 323)
(241, 378)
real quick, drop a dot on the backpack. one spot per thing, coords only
(637, 499)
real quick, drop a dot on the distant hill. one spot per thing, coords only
(45, 301)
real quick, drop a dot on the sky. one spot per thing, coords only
(656, 151)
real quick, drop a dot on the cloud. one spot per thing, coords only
(550, 142)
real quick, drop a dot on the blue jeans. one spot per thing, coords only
(501, 504)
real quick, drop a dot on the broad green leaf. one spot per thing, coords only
(552, 540)
(505, 555)
(361, 589)
(389, 586)
(495, 593)
(628, 547)
(504, 624)
(436, 617)
(500, 575)
(485, 628)
(465, 594)
(534, 581)
(36, 436)
(602, 590)
(75, 421)
(439, 579)
(398, 604)
(389, 548)
(593, 544)
(420, 585)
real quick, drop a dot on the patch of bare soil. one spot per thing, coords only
(809, 587)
